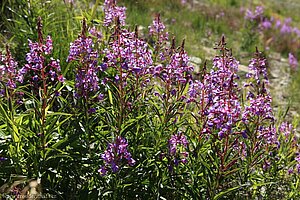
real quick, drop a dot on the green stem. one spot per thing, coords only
(86, 124)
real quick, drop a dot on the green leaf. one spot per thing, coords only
(110, 97)
(262, 184)
(228, 191)
(15, 132)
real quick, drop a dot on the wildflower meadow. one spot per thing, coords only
(96, 108)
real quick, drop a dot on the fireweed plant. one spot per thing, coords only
(133, 121)
(43, 75)
(31, 94)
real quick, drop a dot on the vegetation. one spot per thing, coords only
(99, 101)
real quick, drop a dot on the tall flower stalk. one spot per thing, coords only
(83, 54)
(44, 75)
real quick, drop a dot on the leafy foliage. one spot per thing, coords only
(123, 116)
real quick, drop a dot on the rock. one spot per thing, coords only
(196, 60)
(244, 68)
(196, 63)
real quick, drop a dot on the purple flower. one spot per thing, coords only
(175, 71)
(217, 95)
(113, 13)
(92, 110)
(175, 151)
(258, 69)
(117, 78)
(130, 53)
(157, 26)
(102, 171)
(100, 97)
(290, 171)
(287, 130)
(3, 159)
(266, 165)
(183, 2)
(293, 61)
(93, 31)
(298, 163)
(115, 154)
(269, 135)
(196, 92)
(244, 134)
(48, 47)
(256, 15)
(82, 51)
(296, 31)
(8, 70)
(278, 24)
(157, 29)
(249, 15)
(266, 24)
(61, 78)
(175, 140)
(259, 10)
(259, 105)
(286, 27)
(36, 66)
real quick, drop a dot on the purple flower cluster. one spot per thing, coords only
(175, 142)
(258, 110)
(82, 51)
(284, 27)
(8, 70)
(173, 73)
(269, 135)
(36, 66)
(255, 15)
(293, 61)
(298, 163)
(288, 131)
(183, 2)
(157, 28)
(260, 103)
(129, 53)
(196, 92)
(94, 32)
(222, 91)
(258, 69)
(177, 70)
(260, 106)
(113, 13)
(218, 94)
(114, 155)
(265, 23)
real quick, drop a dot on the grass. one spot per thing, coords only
(197, 26)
